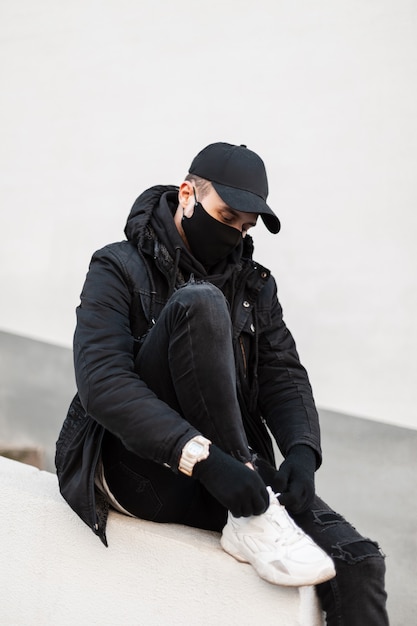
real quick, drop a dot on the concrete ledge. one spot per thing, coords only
(54, 571)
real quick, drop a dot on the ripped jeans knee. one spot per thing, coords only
(335, 535)
(357, 594)
(356, 550)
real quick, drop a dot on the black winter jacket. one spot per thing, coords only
(126, 288)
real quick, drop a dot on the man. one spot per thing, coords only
(182, 360)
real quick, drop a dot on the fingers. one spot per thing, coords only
(297, 499)
(249, 495)
(255, 507)
(261, 503)
(280, 480)
(290, 501)
(254, 498)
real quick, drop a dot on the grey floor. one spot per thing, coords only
(370, 476)
(369, 472)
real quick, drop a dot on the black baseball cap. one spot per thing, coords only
(239, 177)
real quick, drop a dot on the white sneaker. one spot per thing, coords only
(276, 547)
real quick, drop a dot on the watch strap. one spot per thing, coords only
(189, 459)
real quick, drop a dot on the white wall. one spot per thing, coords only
(103, 99)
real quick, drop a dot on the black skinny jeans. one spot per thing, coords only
(187, 360)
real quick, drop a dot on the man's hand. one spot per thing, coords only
(294, 480)
(240, 489)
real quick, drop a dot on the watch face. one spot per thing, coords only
(195, 448)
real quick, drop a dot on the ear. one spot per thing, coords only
(186, 198)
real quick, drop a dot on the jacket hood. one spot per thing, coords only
(141, 211)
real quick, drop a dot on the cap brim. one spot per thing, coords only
(248, 202)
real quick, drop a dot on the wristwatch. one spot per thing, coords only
(195, 450)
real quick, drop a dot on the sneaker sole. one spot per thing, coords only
(327, 572)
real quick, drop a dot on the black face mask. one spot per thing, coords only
(210, 240)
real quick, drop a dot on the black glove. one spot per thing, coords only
(294, 480)
(237, 487)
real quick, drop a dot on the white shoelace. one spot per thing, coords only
(289, 532)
